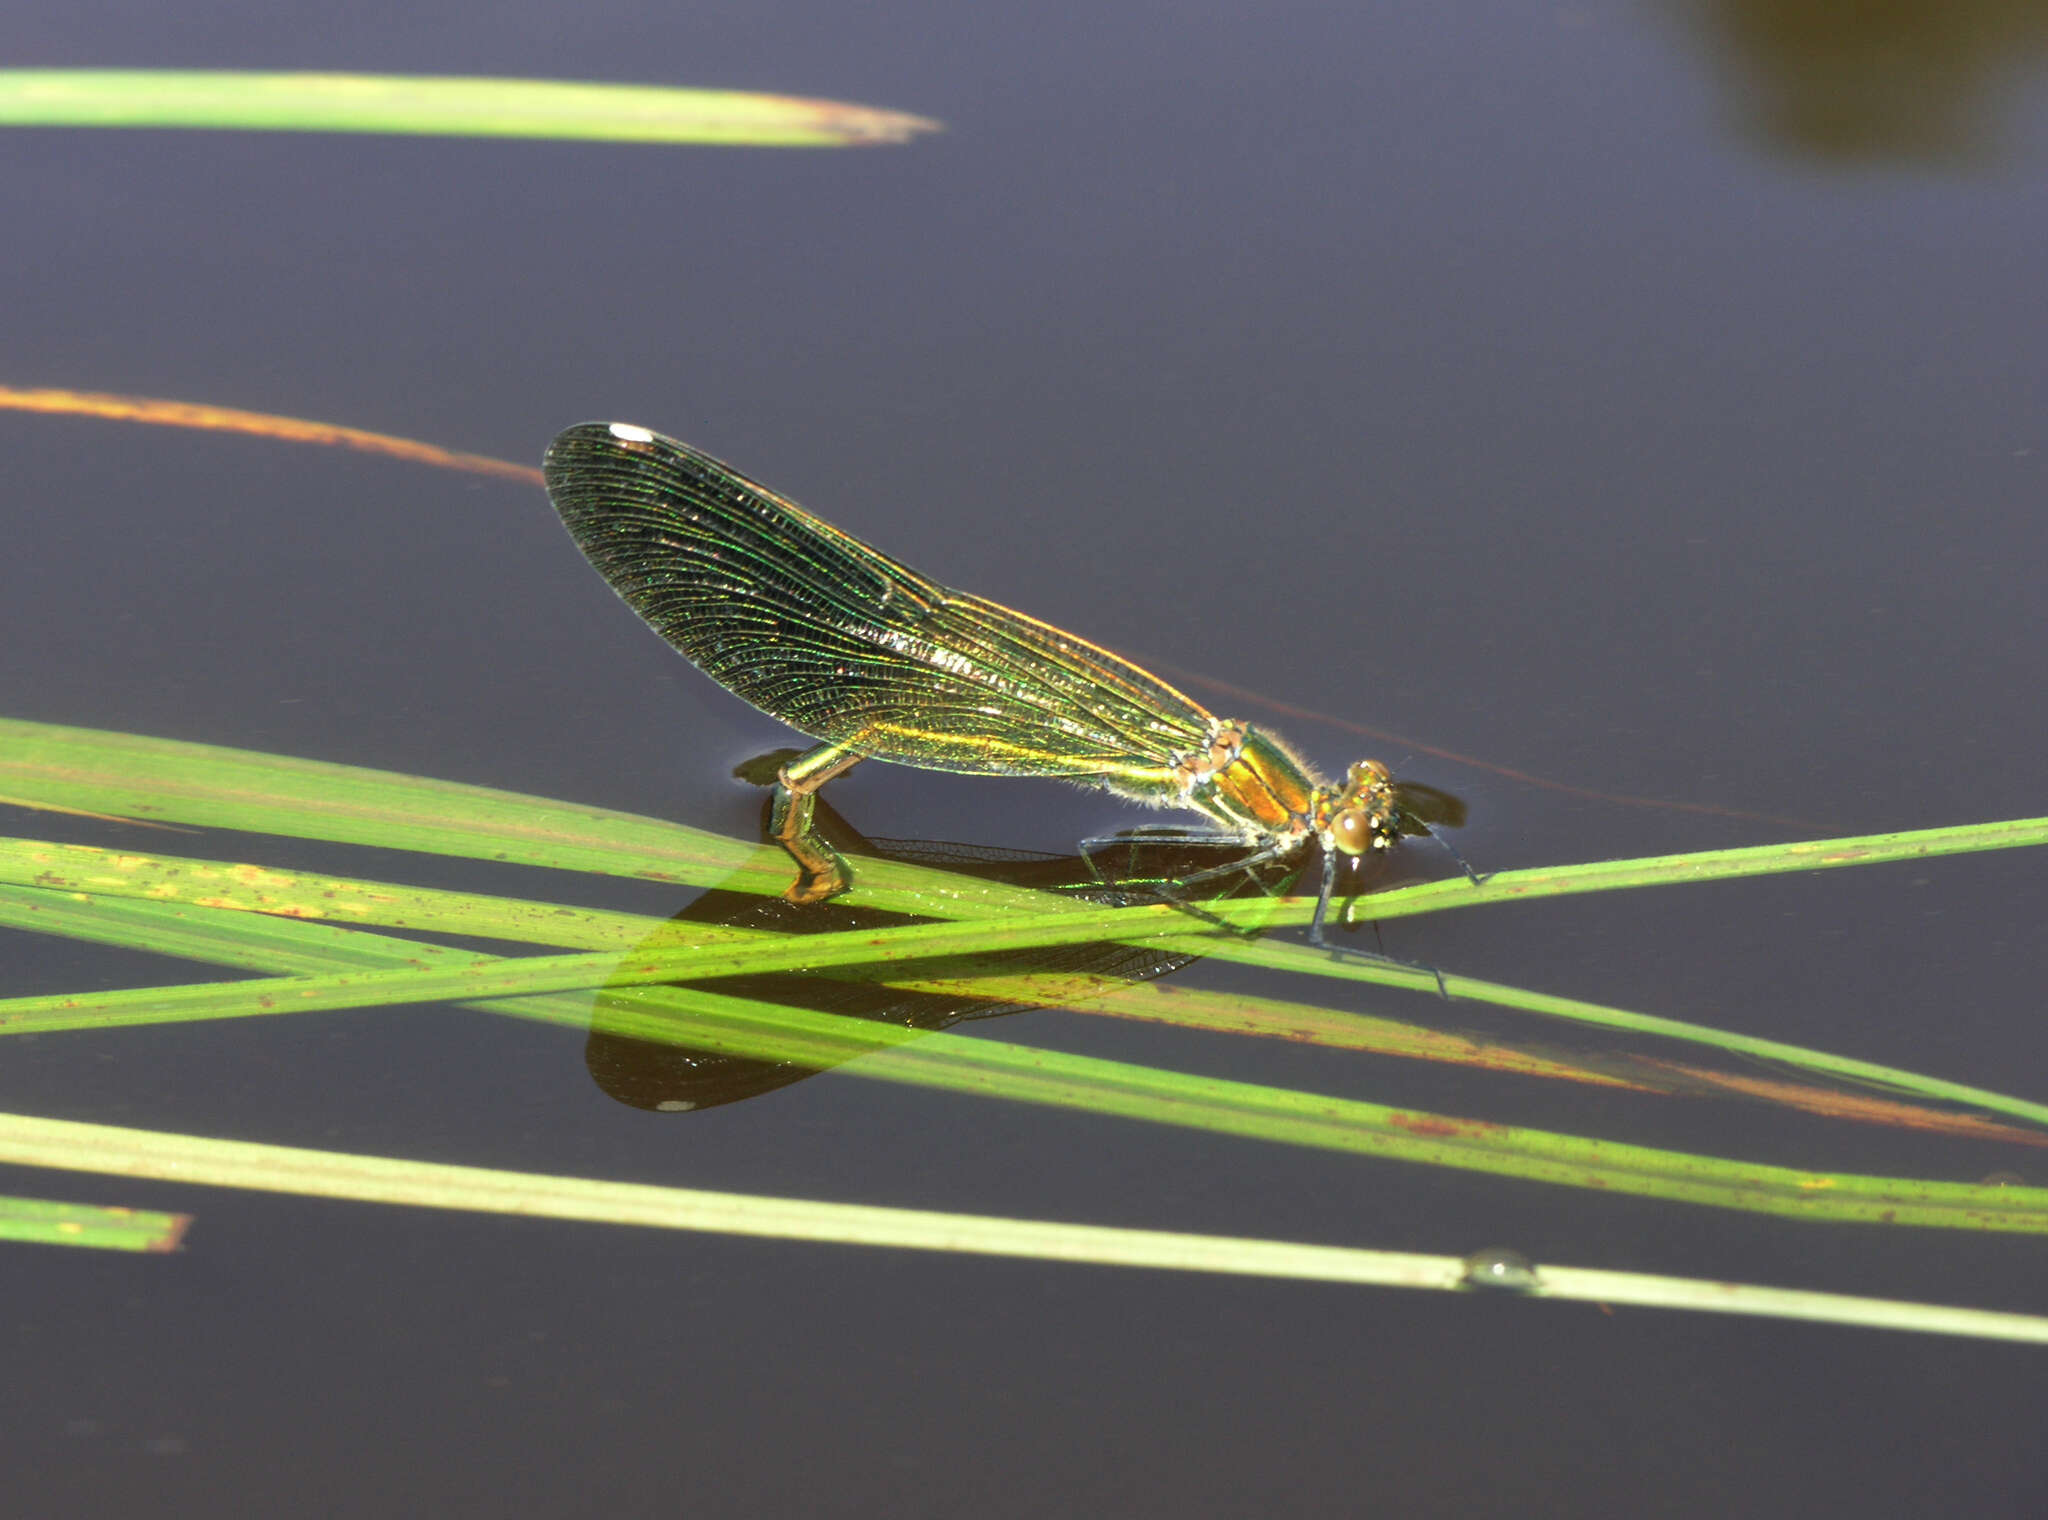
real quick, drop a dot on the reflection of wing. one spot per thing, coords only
(838, 640)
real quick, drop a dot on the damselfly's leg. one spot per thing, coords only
(1458, 855)
(1265, 855)
(821, 873)
(1173, 891)
(1096, 845)
(1321, 941)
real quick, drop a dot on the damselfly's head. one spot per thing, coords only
(1362, 815)
(1372, 810)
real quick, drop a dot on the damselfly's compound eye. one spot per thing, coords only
(1354, 831)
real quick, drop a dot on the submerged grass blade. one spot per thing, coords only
(40, 1221)
(425, 105)
(374, 1179)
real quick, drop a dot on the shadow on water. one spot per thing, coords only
(669, 1078)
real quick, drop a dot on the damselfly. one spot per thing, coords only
(878, 662)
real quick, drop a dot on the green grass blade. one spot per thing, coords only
(159, 923)
(110, 875)
(1709, 865)
(199, 784)
(67, 871)
(210, 786)
(72, 1146)
(244, 941)
(40, 1221)
(710, 1021)
(171, 781)
(439, 107)
(1028, 1074)
(219, 883)
(472, 977)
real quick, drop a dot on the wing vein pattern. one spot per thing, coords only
(843, 643)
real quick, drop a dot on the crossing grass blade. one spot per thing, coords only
(707, 1020)
(228, 915)
(211, 786)
(177, 782)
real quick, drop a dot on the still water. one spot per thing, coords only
(1648, 397)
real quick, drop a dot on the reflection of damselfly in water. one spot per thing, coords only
(674, 1075)
(878, 662)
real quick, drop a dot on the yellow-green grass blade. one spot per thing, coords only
(252, 941)
(705, 1020)
(1502, 887)
(877, 953)
(206, 785)
(1710, 865)
(1352, 1126)
(425, 105)
(98, 1227)
(199, 1160)
(80, 890)
(211, 786)
(479, 976)
(194, 882)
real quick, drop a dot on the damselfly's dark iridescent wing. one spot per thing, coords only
(840, 641)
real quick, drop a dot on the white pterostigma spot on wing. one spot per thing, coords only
(629, 433)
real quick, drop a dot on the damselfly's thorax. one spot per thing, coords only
(1250, 783)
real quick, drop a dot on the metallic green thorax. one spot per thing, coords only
(876, 661)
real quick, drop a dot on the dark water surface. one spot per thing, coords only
(1652, 397)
